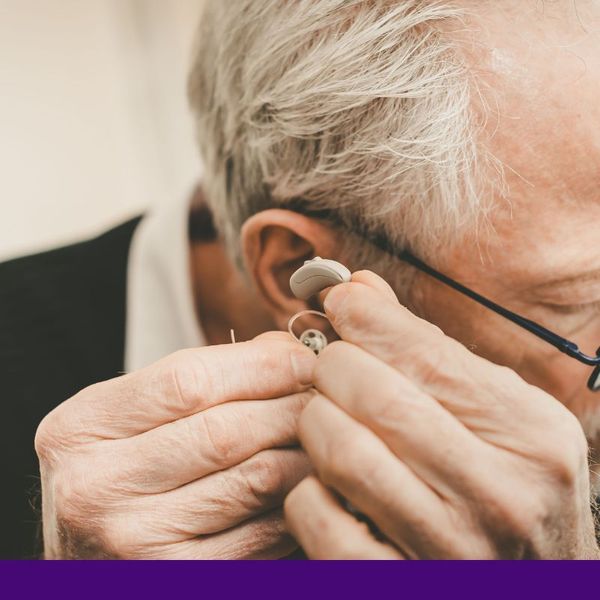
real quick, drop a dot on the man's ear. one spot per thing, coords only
(276, 242)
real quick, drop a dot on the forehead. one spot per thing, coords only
(537, 68)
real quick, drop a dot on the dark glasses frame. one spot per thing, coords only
(560, 343)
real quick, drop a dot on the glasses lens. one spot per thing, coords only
(594, 381)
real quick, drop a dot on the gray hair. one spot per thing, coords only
(361, 107)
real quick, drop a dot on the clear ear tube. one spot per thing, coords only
(311, 338)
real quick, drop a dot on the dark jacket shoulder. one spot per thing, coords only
(62, 328)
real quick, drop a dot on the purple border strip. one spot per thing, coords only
(298, 580)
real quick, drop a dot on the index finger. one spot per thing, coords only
(367, 313)
(471, 387)
(186, 383)
(369, 279)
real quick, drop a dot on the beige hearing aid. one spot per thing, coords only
(317, 274)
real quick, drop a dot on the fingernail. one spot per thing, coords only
(303, 363)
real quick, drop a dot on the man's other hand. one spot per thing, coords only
(189, 458)
(447, 454)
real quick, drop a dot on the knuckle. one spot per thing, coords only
(520, 520)
(59, 430)
(73, 496)
(218, 433)
(562, 450)
(516, 519)
(184, 378)
(567, 463)
(564, 470)
(508, 387)
(85, 508)
(263, 479)
(47, 439)
(511, 381)
(393, 409)
(430, 361)
(436, 333)
(91, 524)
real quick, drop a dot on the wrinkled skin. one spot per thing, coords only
(168, 462)
(455, 444)
(448, 454)
(460, 457)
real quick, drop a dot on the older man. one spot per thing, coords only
(465, 132)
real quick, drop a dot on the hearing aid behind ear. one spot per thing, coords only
(317, 274)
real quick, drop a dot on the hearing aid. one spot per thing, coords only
(311, 278)
(311, 338)
(317, 274)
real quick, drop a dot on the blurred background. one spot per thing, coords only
(94, 124)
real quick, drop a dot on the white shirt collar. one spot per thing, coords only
(160, 308)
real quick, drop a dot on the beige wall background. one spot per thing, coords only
(94, 124)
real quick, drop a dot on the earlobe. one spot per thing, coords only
(275, 243)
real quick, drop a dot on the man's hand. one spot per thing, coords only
(449, 455)
(188, 458)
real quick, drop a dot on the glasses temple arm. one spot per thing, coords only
(560, 343)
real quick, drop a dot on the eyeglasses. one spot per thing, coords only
(562, 344)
